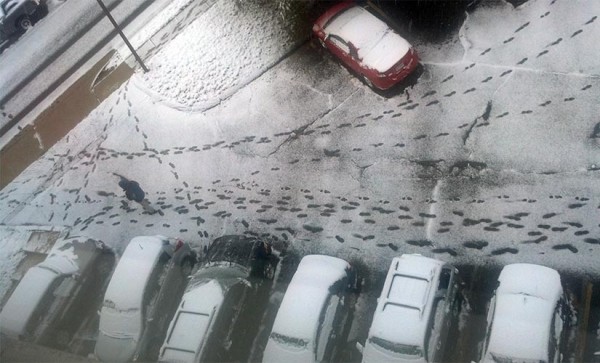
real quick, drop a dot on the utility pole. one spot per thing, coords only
(112, 20)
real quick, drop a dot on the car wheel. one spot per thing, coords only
(269, 271)
(186, 266)
(367, 81)
(24, 23)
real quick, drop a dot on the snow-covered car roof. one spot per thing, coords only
(191, 324)
(402, 310)
(121, 314)
(128, 282)
(534, 280)
(379, 47)
(298, 315)
(525, 303)
(25, 299)
(64, 259)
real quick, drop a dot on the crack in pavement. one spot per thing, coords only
(360, 178)
(361, 169)
(296, 133)
(485, 116)
(304, 84)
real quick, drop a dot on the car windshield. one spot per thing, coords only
(403, 349)
(233, 249)
(292, 342)
(226, 273)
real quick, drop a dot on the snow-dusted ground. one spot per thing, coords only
(484, 160)
(228, 46)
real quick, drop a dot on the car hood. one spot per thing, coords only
(192, 322)
(521, 318)
(111, 349)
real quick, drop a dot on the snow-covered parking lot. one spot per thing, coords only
(493, 157)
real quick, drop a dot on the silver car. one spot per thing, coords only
(527, 316)
(315, 314)
(419, 304)
(230, 287)
(141, 297)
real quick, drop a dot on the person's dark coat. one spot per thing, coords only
(132, 189)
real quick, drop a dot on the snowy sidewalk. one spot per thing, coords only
(223, 50)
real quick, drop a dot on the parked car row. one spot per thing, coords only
(150, 311)
(421, 299)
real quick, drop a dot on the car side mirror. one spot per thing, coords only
(360, 347)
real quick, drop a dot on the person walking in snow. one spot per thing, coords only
(134, 192)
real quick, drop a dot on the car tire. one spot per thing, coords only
(367, 81)
(24, 23)
(187, 264)
(269, 270)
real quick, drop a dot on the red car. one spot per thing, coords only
(366, 44)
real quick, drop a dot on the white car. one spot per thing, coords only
(148, 280)
(418, 305)
(526, 316)
(234, 280)
(314, 313)
(45, 306)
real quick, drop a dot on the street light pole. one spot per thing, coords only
(112, 20)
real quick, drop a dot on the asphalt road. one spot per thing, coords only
(59, 45)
